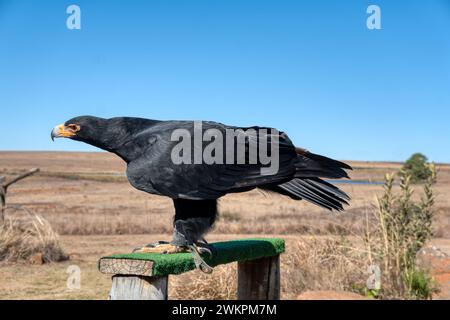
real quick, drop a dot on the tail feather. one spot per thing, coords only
(301, 194)
(310, 165)
(321, 192)
(306, 183)
(328, 187)
(317, 191)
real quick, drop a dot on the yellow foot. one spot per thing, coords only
(165, 248)
(162, 247)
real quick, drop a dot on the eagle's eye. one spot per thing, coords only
(73, 127)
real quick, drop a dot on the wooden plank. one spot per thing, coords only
(126, 267)
(259, 279)
(125, 287)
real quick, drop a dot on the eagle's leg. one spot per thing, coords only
(193, 218)
(186, 238)
(190, 231)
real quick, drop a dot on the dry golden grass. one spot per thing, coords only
(325, 263)
(196, 285)
(22, 237)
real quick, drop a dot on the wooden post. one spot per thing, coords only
(127, 287)
(133, 280)
(259, 279)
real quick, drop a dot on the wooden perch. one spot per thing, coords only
(144, 276)
(4, 189)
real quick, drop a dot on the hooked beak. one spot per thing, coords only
(62, 131)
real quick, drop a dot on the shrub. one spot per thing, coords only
(416, 167)
(420, 284)
(21, 238)
(402, 227)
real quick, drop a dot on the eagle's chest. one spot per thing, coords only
(151, 178)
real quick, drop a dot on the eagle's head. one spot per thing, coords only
(83, 128)
(115, 135)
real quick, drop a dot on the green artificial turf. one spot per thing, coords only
(224, 252)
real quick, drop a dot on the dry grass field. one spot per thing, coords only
(88, 201)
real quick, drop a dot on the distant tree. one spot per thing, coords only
(417, 167)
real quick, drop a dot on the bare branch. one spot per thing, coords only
(4, 188)
(20, 177)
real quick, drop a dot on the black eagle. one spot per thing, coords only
(147, 148)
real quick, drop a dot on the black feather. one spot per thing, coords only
(316, 191)
(310, 165)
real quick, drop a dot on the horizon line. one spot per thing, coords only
(102, 151)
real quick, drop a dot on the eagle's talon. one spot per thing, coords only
(203, 250)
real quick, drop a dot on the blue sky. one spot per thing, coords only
(311, 69)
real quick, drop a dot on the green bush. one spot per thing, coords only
(420, 284)
(417, 168)
(402, 227)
